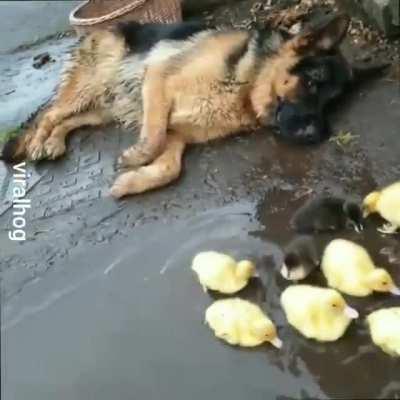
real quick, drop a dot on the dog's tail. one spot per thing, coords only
(14, 150)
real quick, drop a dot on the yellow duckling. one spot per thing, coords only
(241, 323)
(384, 326)
(387, 203)
(317, 313)
(220, 272)
(349, 268)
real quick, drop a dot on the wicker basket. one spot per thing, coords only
(98, 14)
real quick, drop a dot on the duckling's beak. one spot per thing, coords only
(276, 342)
(358, 228)
(395, 290)
(351, 312)
(285, 272)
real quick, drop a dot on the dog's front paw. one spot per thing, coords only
(35, 150)
(132, 158)
(54, 147)
(131, 182)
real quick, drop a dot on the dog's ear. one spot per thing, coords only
(322, 36)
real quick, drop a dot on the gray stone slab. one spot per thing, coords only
(395, 10)
(385, 13)
(24, 22)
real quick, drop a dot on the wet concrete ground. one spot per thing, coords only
(100, 301)
(24, 22)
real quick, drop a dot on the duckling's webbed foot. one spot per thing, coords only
(388, 229)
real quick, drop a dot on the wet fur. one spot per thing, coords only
(178, 85)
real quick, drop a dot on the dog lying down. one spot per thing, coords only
(184, 83)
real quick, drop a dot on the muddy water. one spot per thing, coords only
(351, 367)
(127, 322)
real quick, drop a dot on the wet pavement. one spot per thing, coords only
(100, 301)
(24, 22)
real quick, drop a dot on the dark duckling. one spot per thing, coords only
(301, 257)
(328, 214)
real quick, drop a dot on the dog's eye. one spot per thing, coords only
(311, 86)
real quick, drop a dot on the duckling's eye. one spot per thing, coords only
(385, 283)
(334, 305)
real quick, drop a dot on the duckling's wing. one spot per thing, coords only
(304, 318)
(331, 215)
(295, 301)
(320, 214)
(384, 327)
(311, 255)
(389, 204)
(304, 217)
(228, 321)
(212, 266)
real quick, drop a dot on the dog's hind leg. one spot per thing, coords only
(92, 65)
(54, 146)
(163, 170)
(156, 108)
(73, 96)
(69, 100)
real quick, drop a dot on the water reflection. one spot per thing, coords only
(352, 367)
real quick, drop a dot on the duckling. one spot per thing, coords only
(301, 256)
(241, 323)
(317, 313)
(324, 213)
(386, 202)
(384, 327)
(349, 268)
(220, 272)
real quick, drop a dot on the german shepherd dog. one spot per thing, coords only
(185, 83)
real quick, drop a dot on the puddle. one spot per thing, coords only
(351, 367)
(23, 88)
(142, 322)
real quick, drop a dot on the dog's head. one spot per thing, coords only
(307, 72)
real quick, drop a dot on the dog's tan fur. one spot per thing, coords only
(182, 92)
